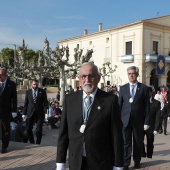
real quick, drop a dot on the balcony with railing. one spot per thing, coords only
(151, 57)
(168, 59)
(127, 58)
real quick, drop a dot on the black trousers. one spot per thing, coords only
(29, 127)
(130, 132)
(84, 165)
(5, 128)
(163, 124)
(149, 143)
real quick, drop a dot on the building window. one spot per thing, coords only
(107, 52)
(155, 47)
(107, 39)
(90, 42)
(128, 47)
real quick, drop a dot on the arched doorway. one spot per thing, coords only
(154, 78)
(168, 79)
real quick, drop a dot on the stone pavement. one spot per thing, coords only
(24, 156)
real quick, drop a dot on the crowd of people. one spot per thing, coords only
(123, 116)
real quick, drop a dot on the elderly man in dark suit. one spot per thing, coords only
(35, 108)
(135, 107)
(91, 127)
(8, 105)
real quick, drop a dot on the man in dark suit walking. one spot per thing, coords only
(154, 126)
(135, 106)
(8, 105)
(35, 108)
(91, 127)
(163, 112)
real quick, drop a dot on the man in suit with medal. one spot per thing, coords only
(8, 105)
(91, 127)
(135, 108)
(35, 108)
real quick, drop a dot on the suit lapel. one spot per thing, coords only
(137, 90)
(128, 90)
(78, 104)
(38, 94)
(78, 110)
(97, 107)
(6, 87)
(30, 93)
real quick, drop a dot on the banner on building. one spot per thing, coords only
(160, 65)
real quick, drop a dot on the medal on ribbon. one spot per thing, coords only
(82, 128)
(130, 100)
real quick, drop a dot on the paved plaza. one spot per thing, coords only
(24, 156)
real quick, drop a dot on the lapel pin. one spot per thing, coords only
(98, 107)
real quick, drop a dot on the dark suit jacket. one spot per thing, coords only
(139, 110)
(40, 106)
(164, 112)
(8, 100)
(102, 136)
(154, 116)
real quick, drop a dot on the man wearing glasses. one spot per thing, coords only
(35, 108)
(91, 127)
(135, 108)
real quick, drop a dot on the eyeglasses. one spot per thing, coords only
(90, 76)
(133, 74)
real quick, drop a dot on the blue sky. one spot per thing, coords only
(33, 20)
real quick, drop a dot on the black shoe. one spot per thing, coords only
(137, 166)
(143, 155)
(149, 156)
(4, 150)
(165, 133)
(54, 127)
(160, 131)
(125, 168)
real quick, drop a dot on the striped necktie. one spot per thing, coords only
(1, 88)
(133, 91)
(87, 106)
(34, 96)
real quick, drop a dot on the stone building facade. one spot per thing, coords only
(138, 44)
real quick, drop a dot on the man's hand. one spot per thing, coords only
(24, 117)
(117, 168)
(155, 132)
(146, 127)
(60, 166)
(168, 118)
